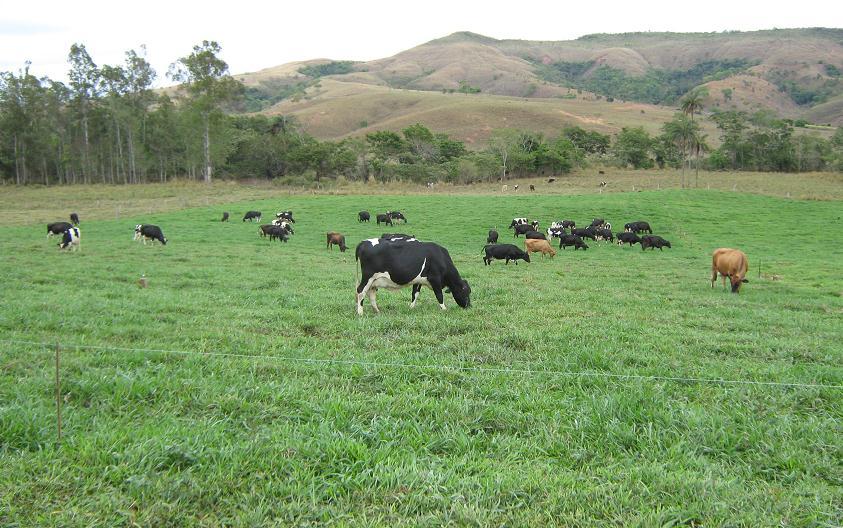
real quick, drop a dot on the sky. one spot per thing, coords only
(256, 35)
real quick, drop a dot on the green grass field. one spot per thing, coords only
(422, 417)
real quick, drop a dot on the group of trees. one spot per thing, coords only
(106, 125)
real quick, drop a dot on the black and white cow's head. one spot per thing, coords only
(462, 293)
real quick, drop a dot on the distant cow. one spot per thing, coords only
(522, 229)
(730, 263)
(568, 224)
(284, 224)
(396, 215)
(518, 221)
(572, 240)
(555, 232)
(493, 237)
(551, 180)
(274, 232)
(384, 219)
(338, 239)
(149, 232)
(74, 219)
(532, 187)
(363, 216)
(285, 215)
(535, 235)
(587, 232)
(598, 222)
(628, 238)
(653, 242)
(637, 227)
(394, 265)
(58, 228)
(252, 216)
(71, 239)
(604, 234)
(539, 246)
(515, 187)
(224, 217)
(504, 252)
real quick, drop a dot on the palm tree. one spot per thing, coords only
(681, 132)
(692, 103)
(699, 146)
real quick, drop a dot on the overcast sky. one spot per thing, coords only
(256, 35)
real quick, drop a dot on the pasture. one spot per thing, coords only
(546, 403)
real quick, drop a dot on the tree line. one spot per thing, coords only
(107, 125)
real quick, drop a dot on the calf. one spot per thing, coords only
(628, 238)
(224, 217)
(522, 229)
(57, 228)
(653, 242)
(535, 235)
(730, 263)
(338, 239)
(363, 216)
(252, 216)
(539, 246)
(493, 237)
(149, 232)
(74, 219)
(504, 252)
(71, 239)
(384, 219)
(572, 240)
(399, 264)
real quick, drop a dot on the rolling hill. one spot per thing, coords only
(467, 84)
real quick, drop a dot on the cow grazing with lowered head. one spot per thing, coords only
(518, 221)
(71, 239)
(504, 252)
(604, 234)
(522, 229)
(363, 216)
(74, 219)
(384, 219)
(286, 225)
(277, 232)
(149, 232)
(572, 240)
(542, 246)
(224, 217)
(252, 216)
(58, 228)
(653, 242)
(397, 215)
(587, 232)
(535, 235)
(730, 263)
(597, 222)
(336, 239)
(394, 265)
(628, 237)
(493, 237)
(285, 215)
(637, 227)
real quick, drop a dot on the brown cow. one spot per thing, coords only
(730, 263)
(537, 245)
(338, 239)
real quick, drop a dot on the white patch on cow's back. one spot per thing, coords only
(373, 241)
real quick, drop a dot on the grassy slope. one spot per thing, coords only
(163, 439)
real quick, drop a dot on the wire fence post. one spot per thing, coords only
(58, 394)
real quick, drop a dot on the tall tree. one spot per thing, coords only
(209, 85)
(84, 85)
(681, 130)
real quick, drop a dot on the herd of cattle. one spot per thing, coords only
(396, 260)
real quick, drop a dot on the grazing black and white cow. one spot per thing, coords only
(284, 224)
(505, 252)
(604, 234)
(628, 237)
(384, 219)
(363, 216)
(653, 242)
(597, 222)
(569, 224)
(518, 221)
(396, 215)
(71, 239)
(277, 232)
(285, 215)
(535, 235)
(555, 232)
(224, 217)
(535, 224)
(394, 265)
(522, 229)
(149, 232)
(252, 216)
(493, 237)
(637, 227)
(58, 228)
(74, 219)
(587, 232)
(572, 240)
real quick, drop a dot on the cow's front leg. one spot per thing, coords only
(437, 291)
(415, 295)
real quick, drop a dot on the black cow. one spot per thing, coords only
(58, 228)
(628, 238)
(551, 180)
(637, 227)
(74, 219)
(224, 217)
(522, 229)
(384, 219)
(587, 232)
(604, 234)
(532, 187)
(277, 231)
(504, 252)
(285, 215)
(653, 242)
(396, 215)
(150, 232)
(572, 240)
(597, 222)
(403, 263)
(363, 216)
(493, 237)
(284, 223)
(536, 235)
(252, 215)
(568, 224)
